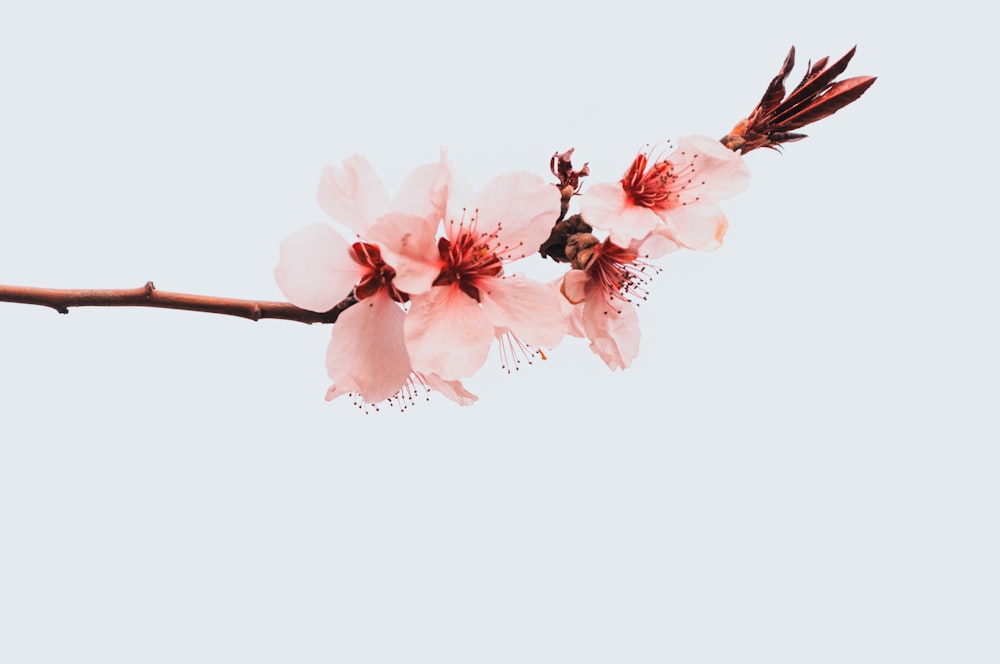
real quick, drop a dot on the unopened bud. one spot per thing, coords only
(580, 250)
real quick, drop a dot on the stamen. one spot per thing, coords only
(513, 351)
(469, 257)
(621, 275)
(407, 396)
(660, 184)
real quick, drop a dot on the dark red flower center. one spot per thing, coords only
(619, 273)
(468, 259)
(657, 185)
(378, 276)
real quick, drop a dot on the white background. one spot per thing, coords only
(801, 466)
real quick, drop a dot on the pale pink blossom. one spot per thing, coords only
(318, 271)
(459, 295)
(598, 301)
(675, 196)
(367, 355)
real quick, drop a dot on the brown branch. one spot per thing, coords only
(61, 299)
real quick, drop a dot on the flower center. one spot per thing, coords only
(619, 273)
(659, 185)
(469, 257)
(378, 276)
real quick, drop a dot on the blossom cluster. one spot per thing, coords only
(421, 285)
(427, 273)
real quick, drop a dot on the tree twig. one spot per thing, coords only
(62, 299)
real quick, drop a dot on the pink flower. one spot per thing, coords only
(674, 196)
(367, 355)
(459, 297)
(600, 301)
(316, 269)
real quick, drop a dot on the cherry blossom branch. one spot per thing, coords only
(772, 123)
(62, 299)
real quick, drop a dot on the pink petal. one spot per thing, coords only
(634, 224)
(424, 193)
(656, 245)
(410, 246)
(606, 207)
(574, 286)
(353, 194)
(613, 332)
(367, 352)
(527, 308)
(315, 270)
(461, 201)
(700, 226)
(572, 313)
(447, 333)
(723, 171)
(335, 392)
(574, 321)
(601, 204)
(452, 389)
(523, 206)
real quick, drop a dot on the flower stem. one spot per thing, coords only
(61, 299)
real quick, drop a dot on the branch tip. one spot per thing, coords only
(774, 119)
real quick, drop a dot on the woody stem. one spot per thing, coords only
(62, 299)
